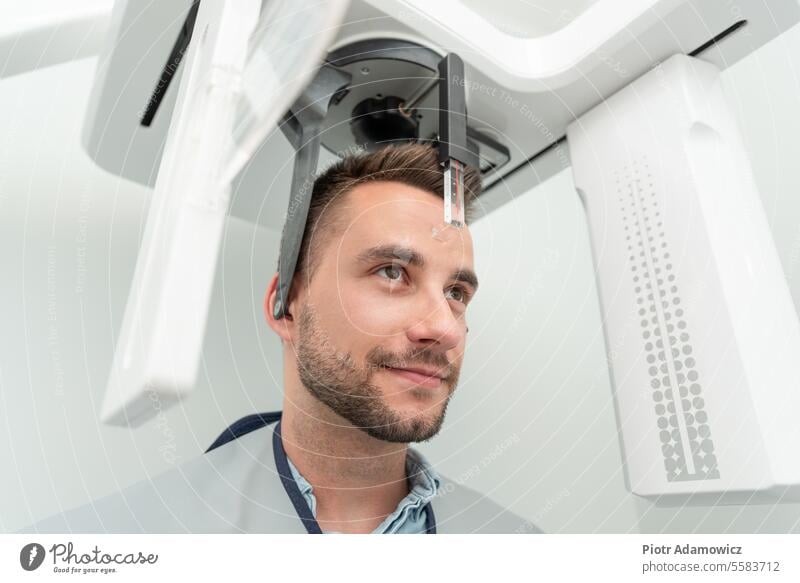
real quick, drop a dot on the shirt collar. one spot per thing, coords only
(424, 480)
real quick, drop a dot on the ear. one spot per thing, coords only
(283, 327)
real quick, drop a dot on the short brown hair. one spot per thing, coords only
(414, 164)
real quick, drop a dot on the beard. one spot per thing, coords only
(338, 382)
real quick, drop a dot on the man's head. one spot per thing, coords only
(381, 283)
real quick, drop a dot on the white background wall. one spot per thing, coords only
(532, 424)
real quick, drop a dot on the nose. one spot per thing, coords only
(436, 324)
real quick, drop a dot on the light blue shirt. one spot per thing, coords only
(410, 515)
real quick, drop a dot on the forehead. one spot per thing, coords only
(393, 212)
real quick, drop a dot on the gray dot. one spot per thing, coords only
(676, 301)
(683, 391)
(690, 362)
(687, 350)
(698, 402)
(703, 431)
(686, 404)
(673, 420)
(662, 423)
(707, 445)
(701, 416)
(650, 358)
(684, 337)
(692, 375)
(695, 389)
(711, 461)
(664, 436)
(666, 449)
(670, 464)
(670, 407)
(653, 371)
(656, 394)
(681, 324)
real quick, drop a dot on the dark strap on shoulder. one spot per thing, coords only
(289, 484)
(244, 426)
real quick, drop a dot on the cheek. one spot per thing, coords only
(367, 312)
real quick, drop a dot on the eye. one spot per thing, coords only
(394, 268)
(463, 294)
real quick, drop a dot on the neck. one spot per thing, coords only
(357, 479)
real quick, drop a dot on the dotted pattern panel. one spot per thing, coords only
(675, 384)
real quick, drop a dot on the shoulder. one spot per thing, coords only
(233, 488)
(460, 509)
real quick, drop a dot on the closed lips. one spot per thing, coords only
(422, 371)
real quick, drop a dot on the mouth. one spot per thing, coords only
(417, 376)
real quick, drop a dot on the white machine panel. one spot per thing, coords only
(239, 80)
(702, 335)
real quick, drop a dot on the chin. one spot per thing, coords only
(428, 410)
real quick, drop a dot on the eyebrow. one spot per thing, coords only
(412, 257)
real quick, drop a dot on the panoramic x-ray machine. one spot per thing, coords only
(195, 98)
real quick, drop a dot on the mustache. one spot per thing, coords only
(442, 365)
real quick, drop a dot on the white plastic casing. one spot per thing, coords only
(702, 335)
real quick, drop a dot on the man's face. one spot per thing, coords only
(387, 294)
